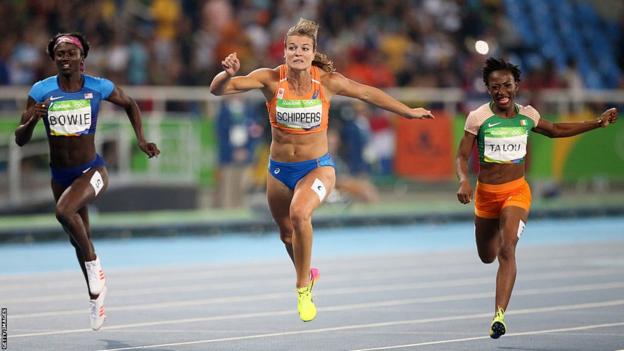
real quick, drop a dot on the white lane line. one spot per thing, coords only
(326, 309)
(252, 275)
(355, 263)
(534, 332)
(362, 326)
(207, 287)
(52, 280)
(342, 291)
(247, 283)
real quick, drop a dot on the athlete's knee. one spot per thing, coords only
(507, 251)
(299, 215)
(63, 213)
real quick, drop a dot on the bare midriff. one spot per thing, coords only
(71, 151)
(497, 173)
(288, 147)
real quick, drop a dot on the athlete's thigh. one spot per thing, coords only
(84, 189)
(279, 197)
(512, 223)
(312, 189)
(487, 235)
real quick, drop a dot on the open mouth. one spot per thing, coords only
(503, 100)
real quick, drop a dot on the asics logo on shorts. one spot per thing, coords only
(276, 171)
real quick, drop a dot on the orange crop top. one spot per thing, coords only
(299, 114)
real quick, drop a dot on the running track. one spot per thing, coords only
(418, 287)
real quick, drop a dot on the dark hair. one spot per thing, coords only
(77, 35)
(492, 64)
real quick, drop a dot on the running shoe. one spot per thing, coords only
(95, 276)
(97, 313)
(305, 302)
(498, 326)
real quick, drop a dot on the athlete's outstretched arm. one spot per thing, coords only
(34, 112)
(464, 194)
(562, 130)
(341, 85)
(119, 98)
(225, 83)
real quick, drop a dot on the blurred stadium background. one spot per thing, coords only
(211, 173)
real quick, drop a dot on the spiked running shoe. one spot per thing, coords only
(305, 302)
(95, 276)
(498, 326)
(97, 313)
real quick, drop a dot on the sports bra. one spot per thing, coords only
(299, 114)
(71, 113)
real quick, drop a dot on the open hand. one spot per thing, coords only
(419, 113)
(608, 117)
(231, 64)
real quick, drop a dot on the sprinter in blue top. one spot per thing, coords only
(68, 103)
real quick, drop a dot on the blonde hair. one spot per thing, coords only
(308, 28)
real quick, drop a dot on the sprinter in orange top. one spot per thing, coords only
(502, 196)
(302, 172)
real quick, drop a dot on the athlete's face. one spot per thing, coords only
(68, 58)
(503, 88)
(299, 52)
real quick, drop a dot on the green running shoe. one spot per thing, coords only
(498, 326)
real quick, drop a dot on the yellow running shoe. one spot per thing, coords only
(498, 326)
(305, 303)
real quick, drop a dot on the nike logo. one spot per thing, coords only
(86, 170)
(52, 98)
(493, 124)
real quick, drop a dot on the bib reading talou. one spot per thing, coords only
(70, 117)
(505, 145)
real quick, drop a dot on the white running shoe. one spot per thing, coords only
(98, 316)
(95, 276)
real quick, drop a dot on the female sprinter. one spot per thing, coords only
(502, 197)
(302, 172)
(69, 103)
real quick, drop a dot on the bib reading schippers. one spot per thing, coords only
(69, 117)
(75, 113)
(299, 114)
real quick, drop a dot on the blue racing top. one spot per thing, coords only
(75, 113)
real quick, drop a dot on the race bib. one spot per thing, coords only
(505, 150)
(70, 117)
(299, 114)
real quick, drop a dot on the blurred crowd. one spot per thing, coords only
(424, 43)
(384, 43)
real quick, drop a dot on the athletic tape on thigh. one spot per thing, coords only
(521, 226)
(319, 189)
(97, 182)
